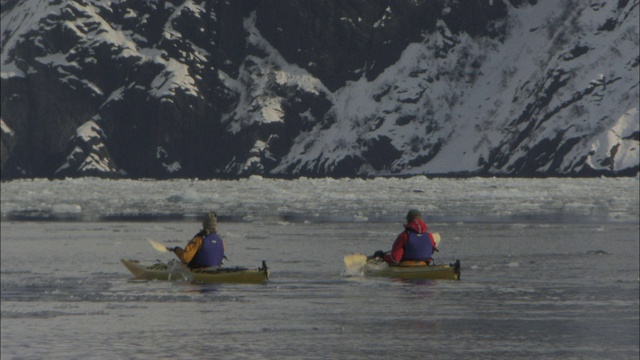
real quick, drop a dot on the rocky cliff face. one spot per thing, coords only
(222, 89)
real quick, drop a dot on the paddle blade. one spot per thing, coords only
(159, 247)
(354, 262)
(436, 238)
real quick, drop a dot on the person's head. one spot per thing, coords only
(413, 214)
(210, 222)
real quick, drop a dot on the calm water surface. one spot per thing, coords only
(528, 291)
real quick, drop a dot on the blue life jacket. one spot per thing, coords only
(418, 247)
(210, 254)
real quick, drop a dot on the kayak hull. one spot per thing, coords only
(176, 271)
(378, 267)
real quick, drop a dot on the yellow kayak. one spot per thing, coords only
(174, 270)
(378, 267)
(375, 266)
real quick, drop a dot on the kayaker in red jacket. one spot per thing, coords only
(414, 243)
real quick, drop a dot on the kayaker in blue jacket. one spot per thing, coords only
(206, 249)
(414, 243)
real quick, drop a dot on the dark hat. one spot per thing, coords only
(413, 214)
(210, 221)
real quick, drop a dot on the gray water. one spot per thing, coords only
(528, 291)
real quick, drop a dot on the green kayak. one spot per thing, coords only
(174, 270)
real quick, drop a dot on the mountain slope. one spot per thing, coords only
(323, 88)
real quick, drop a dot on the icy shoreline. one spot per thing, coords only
(258, 199)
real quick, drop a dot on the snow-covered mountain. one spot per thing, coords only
(196, 88)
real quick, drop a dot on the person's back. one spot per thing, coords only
(414, 243)
(417, 247)
(211, 252)
(206, 249)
